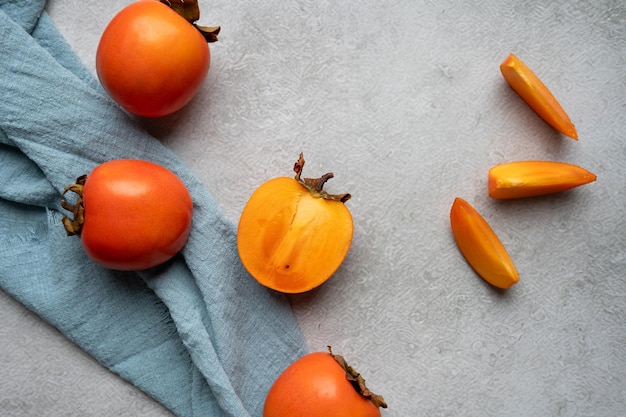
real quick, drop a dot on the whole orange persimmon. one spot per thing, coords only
(293, 235)
(321, 384)
(152, 58)
(130, 214)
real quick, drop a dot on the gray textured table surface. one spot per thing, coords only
(404, 101)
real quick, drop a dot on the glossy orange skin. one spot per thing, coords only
(150, 60)
(314, 386)
(481, 247)
(291, 241)
(137, 215)
(522, 179)
(534, 92)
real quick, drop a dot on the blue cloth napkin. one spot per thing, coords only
(198, 333)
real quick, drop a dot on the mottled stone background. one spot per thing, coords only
(404, 101)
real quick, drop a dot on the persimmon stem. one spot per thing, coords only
(190, 11)
(358, 382)
(316, 185)
(74, 226)
(209, 32)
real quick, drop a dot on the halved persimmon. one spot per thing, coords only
(293, 235)
(534, 92)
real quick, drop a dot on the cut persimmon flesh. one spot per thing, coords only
(532, 90)
(293, 235)
(534, 178)
(480, 246)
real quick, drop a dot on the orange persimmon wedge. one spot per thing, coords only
(534, 178)
(480, 246)
(530, 88)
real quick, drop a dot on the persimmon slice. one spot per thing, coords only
(534, 178)
(480, 246)
(533, 91)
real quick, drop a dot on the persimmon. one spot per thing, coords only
(534, 92)
(534, 178)
(129, 214)
(293, 235)
(321, 384)
(152, 57)
(480, 246)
